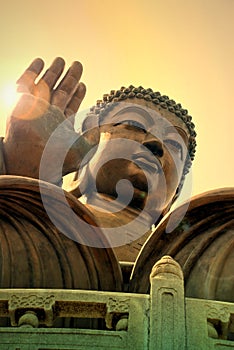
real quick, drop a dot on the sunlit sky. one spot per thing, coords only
(183, 48)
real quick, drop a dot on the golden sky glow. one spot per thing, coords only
(182, 48)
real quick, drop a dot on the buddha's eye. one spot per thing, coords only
(175, 146)
(133, 123)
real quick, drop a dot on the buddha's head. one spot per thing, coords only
(145, 138)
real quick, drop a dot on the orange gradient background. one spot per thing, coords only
(183, 48)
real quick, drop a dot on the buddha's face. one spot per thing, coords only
(147, 147)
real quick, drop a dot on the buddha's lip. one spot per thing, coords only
(147, 161)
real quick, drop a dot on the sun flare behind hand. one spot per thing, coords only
(8, 95)
(8, 100)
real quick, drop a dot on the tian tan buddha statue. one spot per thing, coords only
(146, 145)
(128, 167)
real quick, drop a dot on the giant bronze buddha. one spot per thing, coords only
(130, 164)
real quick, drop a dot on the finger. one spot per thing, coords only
(76, 100)
(46, 83)
(62, 94)
(53, 73)
(26, 82)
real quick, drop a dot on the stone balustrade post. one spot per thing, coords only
(167, 310)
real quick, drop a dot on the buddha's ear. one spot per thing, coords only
(168, 207)
(71, 184)
(166, 210)
(77, 182)
(90, 128)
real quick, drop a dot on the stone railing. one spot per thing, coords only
(164, 319)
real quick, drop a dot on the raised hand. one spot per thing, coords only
(41, 109)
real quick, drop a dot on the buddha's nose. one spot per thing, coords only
(155, 146)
